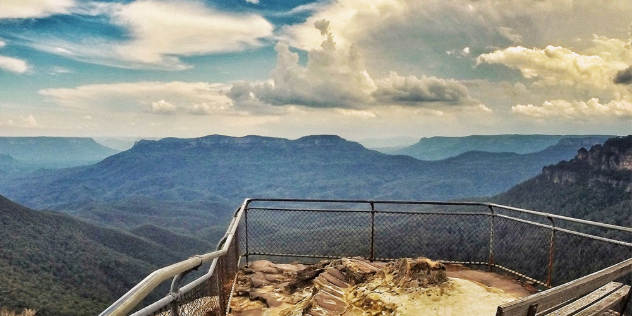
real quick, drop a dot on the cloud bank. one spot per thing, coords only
(336, 77)
(21, 9)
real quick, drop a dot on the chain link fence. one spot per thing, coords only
(527, 244)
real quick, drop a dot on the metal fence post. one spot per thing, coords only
(491, 239)
(549, 274)
(246, 232)
(372, 254)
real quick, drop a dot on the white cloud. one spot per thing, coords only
(13, 64)
(29, 121)
(357, 113)
(21, 9)
(555, 65)
(510, 34)
(161, 31)
(2, 43)
(253, 1)
(621, 107)
(162, 107)
(152, 97)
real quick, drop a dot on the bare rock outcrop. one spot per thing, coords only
(330, 287)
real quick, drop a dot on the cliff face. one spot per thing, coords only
(608, 163)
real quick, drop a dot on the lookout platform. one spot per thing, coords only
(578, 267)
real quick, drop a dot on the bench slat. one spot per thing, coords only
(609, 302)
(587, 300)
(565, 292)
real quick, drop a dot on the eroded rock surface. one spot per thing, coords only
(349, 286)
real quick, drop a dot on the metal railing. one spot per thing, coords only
(542, 248)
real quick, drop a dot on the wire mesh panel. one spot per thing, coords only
(577, 256)
(522, 247)
(449, 237)
(308, 232)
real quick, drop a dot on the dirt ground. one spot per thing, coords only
(506, 283)
(357, 287)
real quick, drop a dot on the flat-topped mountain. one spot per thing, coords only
(60, 265)
(193, 184)
(596, 184)
(439, 147)
(54, 152)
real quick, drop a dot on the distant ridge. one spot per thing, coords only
(54, 152)
(439, 147)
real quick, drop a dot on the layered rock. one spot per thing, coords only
(608, 163)
(330, 287)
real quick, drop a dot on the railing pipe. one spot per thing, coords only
(569, 219)
(134, 296)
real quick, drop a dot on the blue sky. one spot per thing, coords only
(357, 68)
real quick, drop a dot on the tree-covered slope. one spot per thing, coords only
(595, 185)
(60, 265)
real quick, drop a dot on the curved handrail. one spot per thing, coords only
(127, 302)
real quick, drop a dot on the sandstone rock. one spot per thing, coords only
(330, 288)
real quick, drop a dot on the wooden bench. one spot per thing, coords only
(594, 294)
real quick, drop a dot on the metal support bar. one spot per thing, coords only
(246, 232)
(372, 251)
(549, 274)
(491, 239)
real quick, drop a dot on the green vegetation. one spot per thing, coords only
(63, 266)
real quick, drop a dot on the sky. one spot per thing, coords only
(288, 68)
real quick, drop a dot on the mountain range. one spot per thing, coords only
(53, 152)
(440, 147)
(192, 185)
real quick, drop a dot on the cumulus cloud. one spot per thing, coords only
(333, 77)
(336, 77)
(21, 9)
(151, 97)
(411, 90)
(13, 64)
(162, 107)
(559, 66)
(2, 43)
(620, 107)
(623, 76)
